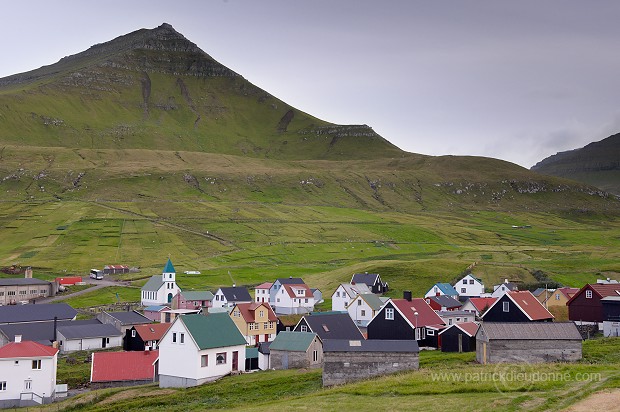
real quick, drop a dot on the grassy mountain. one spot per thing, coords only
(597, 164)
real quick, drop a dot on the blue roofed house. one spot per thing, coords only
(441, 289)
(160, 289)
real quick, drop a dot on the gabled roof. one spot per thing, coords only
(446, 301)
(265, 285)
(426, 315)
(88, 331)
(152, 332)
(527, 303)
(539, 291)
(130, 317)
(156, 308)
(508, 285)
(362, 345)
(153, 284)
(248, 310)
(197, 295)
(469, 328)
(169, 268)
(292, 289)
(263, 347)
(236, 294)
(355, 289)
(445, 288)
(36, 313)
(332, 325)
(371, 299)
(41, 332)
(26, 349)
(215, 330)
(568, 292)
(477, 279)
(530, 330)
(602, 290)
(292, 341)
(482, 303)
(290, 281)
(22, 282)
(368, 278)
(123, 366)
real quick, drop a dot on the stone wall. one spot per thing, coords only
(344, 367)
(281, 359)
(529, 351)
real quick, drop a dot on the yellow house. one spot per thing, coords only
(256, 321)
(557, 297)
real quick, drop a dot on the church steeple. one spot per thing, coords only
(169, 274)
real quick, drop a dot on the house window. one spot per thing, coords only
(306, 300)
(359, 302)
(16, 363)
(33, 291)
(463, 290)
(133, 333)
(588, 294)
(261, 313)
(430, 332)
(3, 386)
(36, 364)
(304, 328)
(464, 281)
(557, 296)
(471, 281)
(363, 312)
(236, 314)
(182, 337)
(315, 356)
(11, 293)
(450, 321)
(204, 361)
(23, 292)
(43, 291)
(389, 314)
(337, 294)
(506, 306)
(271, 325)
(174, 337)
(265, 325)
(220, 358)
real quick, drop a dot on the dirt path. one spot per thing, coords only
(608, 400)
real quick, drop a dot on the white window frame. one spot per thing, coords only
(36, 364)
(2, 386)
(588, 294)
(506, 306)
(389, 313)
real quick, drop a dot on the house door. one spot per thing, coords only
(103, 342)
(235, 365)
(285, 360)
(256, 337)
(484, 353)
(266, 337)
(27, 385)
(169, 297)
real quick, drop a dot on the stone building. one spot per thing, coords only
(291, 350)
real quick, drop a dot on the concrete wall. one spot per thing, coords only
(344, 367)
(528, 351)
(280, 359)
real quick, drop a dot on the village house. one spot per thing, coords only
(27, 374)
(169, 315)
(499, 290)
(144, 337)
(293, 299)
(554, 297)
(255, 321)
(586, 305)
(443, 302)
(517, 306)
(277, 285)
(442, 289)
(123, 320)
(198, 349)
(261, 292)
(15, 290)
(192, 300)
(478, 305)
(113, 369)
(408, 319)
(611, 316)
(44, 333)
(293, 350)
(154, 312)
(160, 289)
(345, 293)
(459, 337)
(469, 287)
(346, 361)
(115, 269)
(88, 337)
(329, 325)
(452, 317)
(528, 342)
(227, 297)
(372, 280)
(36, 313)
(364, 307)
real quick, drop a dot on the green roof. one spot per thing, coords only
(215, 330)
(373, 300)
(292, 341)
(169, 268)
(197, 295)
(251, 353)
(153, 284)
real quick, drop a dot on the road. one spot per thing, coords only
(99, 284)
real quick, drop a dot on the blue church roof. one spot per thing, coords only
(169, 268)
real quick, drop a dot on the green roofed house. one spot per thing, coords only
(364, 307)
(290, 350)
(160, 289)
(198, 349)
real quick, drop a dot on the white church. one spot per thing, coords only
(160, 289)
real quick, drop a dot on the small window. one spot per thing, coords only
(464, 281)
(389, 314)
(182, 337)
(204, 361)
(261, 314)
(220, 358)
(363, 312)
(337, 294)
(463, 290)
(306, 300)
(174, 337)
(471, 281)
(304, 328)
(36, 364)
(430, 332)
(506, 306)
(315, 356)
(359, 302)
(557, 296)
(588, 294)
(2, 385)
(16, 363)
(133, 333)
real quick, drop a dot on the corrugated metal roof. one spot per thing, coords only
(530, 330)
(292, 341)
(153, 284)
(26, 349)
(153, 331)
(40, 331)
(130, 317)
(88, 331)
(236, 294)
(197, 295)
(333, 325)
(36, 313)
(123, 366)
(22, 281)
(251, 353)
(215, 330)
(372, 300)
(361, 345)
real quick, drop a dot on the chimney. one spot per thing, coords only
(28, 273)
(55, 337)
(505, 280)
(407, 295)
(18, 338)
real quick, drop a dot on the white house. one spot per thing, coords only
(261, 292)
(88, 337)
(160, 289)
(27, 373)
(452, 317)
(227, 297)
(345, 293)
(502, 288)
(198, 349)
(469, 287)
(293, 299)
(277, 285)
(364, 307)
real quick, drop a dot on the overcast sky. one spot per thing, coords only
(515, 80)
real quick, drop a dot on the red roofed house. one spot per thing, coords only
(406, 319)
(27, 373)
(261, 292)
(109, 369)
(460, 337)
(293, 299)
(144, 337)
(586, 304)
(256, 321)
(478, 305)
(517, 306)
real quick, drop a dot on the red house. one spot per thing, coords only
(586, 304)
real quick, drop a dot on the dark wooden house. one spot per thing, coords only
(586, 305)
(372, 280)
(460, 337)
(144, 337)
(517, 306)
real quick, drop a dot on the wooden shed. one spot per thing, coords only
(460, 337)
(527, 342)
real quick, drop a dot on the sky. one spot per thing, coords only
(514, 80)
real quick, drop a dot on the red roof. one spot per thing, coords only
(568, 292)
(26, 349)
(69, 280)
(528, 303)
(123, 366)
(426, 315)
(152, 331)
(482, 303)
(469, 327)
(290, 290)
(247, 311)
(266, 285)
(602, 290)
